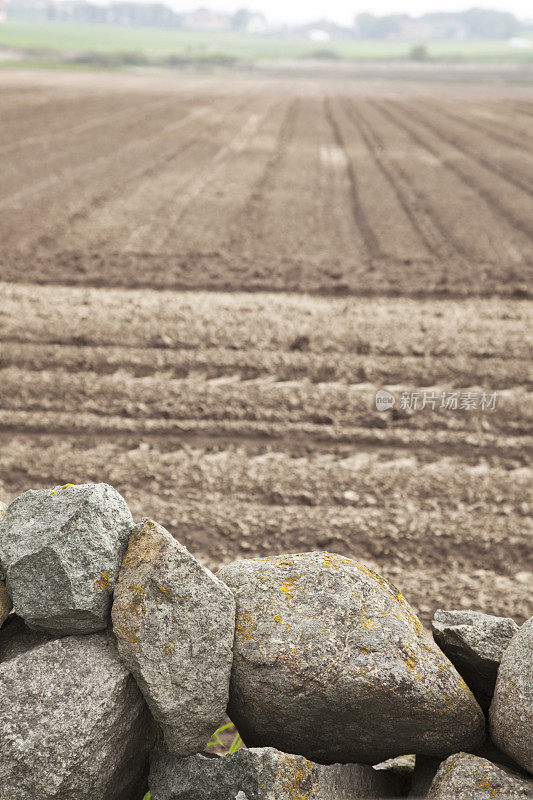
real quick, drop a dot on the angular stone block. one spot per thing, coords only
(511, 711)
(262, 774)
(467, 777)
(475, 644)
(61, 550)
(175, 623)
(74, 725)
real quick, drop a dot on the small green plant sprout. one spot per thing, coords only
(216, 741)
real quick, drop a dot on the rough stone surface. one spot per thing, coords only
(511, 711)
(492, 753)
(467, 777)
(175, 623)
(262, 774)
(16, 638)
(331, 662)
(61, 550)
(74, 724)
(475, 644)
(5, 601)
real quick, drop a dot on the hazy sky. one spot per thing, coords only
(343, 11)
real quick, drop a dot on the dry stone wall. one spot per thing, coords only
(120, 655)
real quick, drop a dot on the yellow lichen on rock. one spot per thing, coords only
(485, 786)
(294, 775)
(56, 489)
(139, 595)
(129, 631)
(334, 561)
(102, 583)
(287, 585)
(142, 547)
(244, 625)
(367, 623)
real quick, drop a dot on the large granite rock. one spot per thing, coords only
(74, 725)
(5, 601)
(511, 711)
(331, 662)
(262, 774)
(475, 644)
(16, 638)
(467, 777)
(492, 753)
(175, 623)
(61, 550)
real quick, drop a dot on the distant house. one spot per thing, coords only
(256, 24)
(249, 22)
(322, 30)
(318, 35)
(476, 23)
(205, 20)
(28, 10)
(80, 11)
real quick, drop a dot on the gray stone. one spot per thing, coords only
(262, 774)
(475, 644)
(5, 601)
(331, 662)
(16, 638)
(511, 711)
(175, 623)
(492, 753)
(61, 550)
(74, 724)
(464, 776)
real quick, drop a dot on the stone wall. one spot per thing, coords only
(120, 654)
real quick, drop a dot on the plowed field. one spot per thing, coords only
(359, 235)
(339, 187)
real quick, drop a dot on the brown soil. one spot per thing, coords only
(200, 411)
(342, 187)
(245, 421)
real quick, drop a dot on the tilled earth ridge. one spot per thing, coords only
(246, 424)
(342, 187)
